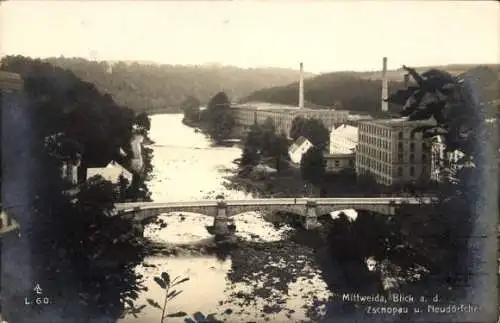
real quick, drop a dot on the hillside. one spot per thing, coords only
(397, 74)
(150, 86)
(355, 91)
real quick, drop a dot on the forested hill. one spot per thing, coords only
(153, 87)
(355, 91)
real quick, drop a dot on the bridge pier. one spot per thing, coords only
(311, 218)
(221, 220)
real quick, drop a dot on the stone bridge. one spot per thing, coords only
(308, 208)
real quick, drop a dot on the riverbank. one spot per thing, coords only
(288, 183)
(274, 278)
(290, 275)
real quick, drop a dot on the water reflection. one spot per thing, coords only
(186, 167)
(203, 292)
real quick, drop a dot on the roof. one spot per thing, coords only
(297, 144)
(301, 140)
(111, 164)
(399, 122)
(267, 106)
(264, 106)
(349, 134)
(359, 117)
(339, 155)
(346, 131)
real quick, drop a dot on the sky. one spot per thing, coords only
(325, 35)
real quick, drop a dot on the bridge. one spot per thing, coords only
(308, 208)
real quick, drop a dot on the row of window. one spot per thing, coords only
(366, 140)
(388, 174)
(373, 141)
(412, 146)
(337, 163)
(384, 131)
(386, 157)
(375, 129)
(376, 154)
(380, 178)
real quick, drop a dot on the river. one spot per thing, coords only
(273, 275)
(188, 167)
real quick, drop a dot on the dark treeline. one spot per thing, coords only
(81, 253)
(68, 105)
(217, 120)
(164, 87)
(357, 92)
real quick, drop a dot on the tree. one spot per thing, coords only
(279, 150)
(75, 108)
(191, 107)
(79, 250)
(268, 135)
(312, 129)
(144, 121)
(249, 157)
(219, 118)
(298, 124)
(312, 165)
(253, 140)
(459, 112)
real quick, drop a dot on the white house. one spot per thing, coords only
(343, 139)
(298, 149)
(111, 172)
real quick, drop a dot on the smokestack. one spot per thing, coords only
(384, 104)
(406, 80)
(301, 86)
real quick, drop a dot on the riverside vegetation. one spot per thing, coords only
(80, 252)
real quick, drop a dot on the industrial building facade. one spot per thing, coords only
(391, 153)
(282, 116)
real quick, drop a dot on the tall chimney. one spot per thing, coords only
(384, 104)
(301, 86)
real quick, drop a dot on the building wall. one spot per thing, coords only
(335, 164)
(391, 154)
(296, 156)
(283, 116)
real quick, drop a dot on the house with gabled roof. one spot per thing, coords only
(111, 172)
(298, 149)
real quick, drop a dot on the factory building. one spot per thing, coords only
(247, 114)
(388, 149)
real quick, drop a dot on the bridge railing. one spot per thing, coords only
(130, 207)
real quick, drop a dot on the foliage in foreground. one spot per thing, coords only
(81, 252)
(85, 253)
(167, 285)
(458, 110)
